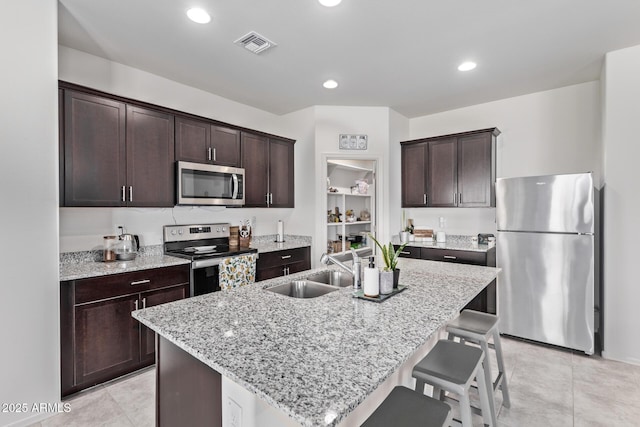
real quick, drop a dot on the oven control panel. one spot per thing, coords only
(181, 233)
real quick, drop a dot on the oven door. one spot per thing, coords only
(205, 274)
(203, 184)
(205, 280)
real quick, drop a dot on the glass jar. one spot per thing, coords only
(109, 248)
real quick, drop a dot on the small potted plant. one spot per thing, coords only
(390, 259)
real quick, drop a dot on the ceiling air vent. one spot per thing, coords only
(254, 42)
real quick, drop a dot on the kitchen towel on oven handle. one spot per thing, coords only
(237, 271)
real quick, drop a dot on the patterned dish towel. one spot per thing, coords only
(237, 271)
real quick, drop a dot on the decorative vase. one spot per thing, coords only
(386, 282)
(396, 277)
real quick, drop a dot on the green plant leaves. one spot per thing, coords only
(389, 256)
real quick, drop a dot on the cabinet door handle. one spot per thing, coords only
(284, 271)
(267, 199)
(214, 154)
(140, 282)
(123, 194)
(287, 271)
(270, 198)
(459, 198)
(144, 302)
(135, 303)
(449, 257)
(209, 153)
(424, 198)
(285, 256)
(131, 193)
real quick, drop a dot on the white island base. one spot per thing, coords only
(232, 405)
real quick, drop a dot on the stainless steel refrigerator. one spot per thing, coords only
(546, 249)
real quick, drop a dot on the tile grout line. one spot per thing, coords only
(126, 413)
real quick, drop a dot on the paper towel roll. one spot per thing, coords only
(280, 236)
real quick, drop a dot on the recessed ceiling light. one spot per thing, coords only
(198, 15)
(330, 84)
(467, 66)
(329, 3)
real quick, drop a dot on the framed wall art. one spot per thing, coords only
(353, 142)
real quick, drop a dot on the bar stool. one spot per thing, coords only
(404, 407)
(452, 367)
(478, 327)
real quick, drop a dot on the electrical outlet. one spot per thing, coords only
(235, 413)
(116, 229)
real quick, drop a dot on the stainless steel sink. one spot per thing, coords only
(302, 289)
(333, 277)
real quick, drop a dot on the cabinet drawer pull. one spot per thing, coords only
(140, 282)
(450, 257)
(405, 253)
(285, 256)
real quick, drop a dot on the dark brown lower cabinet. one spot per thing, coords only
(99, 338)
(188, 392)
(486, 300)
(106, 339)
(282, 263)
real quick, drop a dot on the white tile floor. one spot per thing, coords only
(549, 388)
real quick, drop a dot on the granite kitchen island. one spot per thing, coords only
(321, 361)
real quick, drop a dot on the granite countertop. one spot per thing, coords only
(86, 269)
(268, 244)
(317, 359)
(454, 243)
(85, 264)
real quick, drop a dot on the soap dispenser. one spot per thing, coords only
(371, 279)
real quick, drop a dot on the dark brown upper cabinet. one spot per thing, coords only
(150, 158)
(119, 152)
(456, 170)
(94, 150)
(268, 164)
(201, 142)
(116, 154)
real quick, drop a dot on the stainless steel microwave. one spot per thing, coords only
(204, 184)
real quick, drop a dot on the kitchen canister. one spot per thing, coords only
(386, 282)
(109, 248)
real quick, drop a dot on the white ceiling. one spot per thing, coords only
(397, 53)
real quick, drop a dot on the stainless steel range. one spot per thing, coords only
(206, 245)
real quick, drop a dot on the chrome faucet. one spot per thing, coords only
(354, 270)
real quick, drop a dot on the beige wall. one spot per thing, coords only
(621, 88)
(29, 288)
